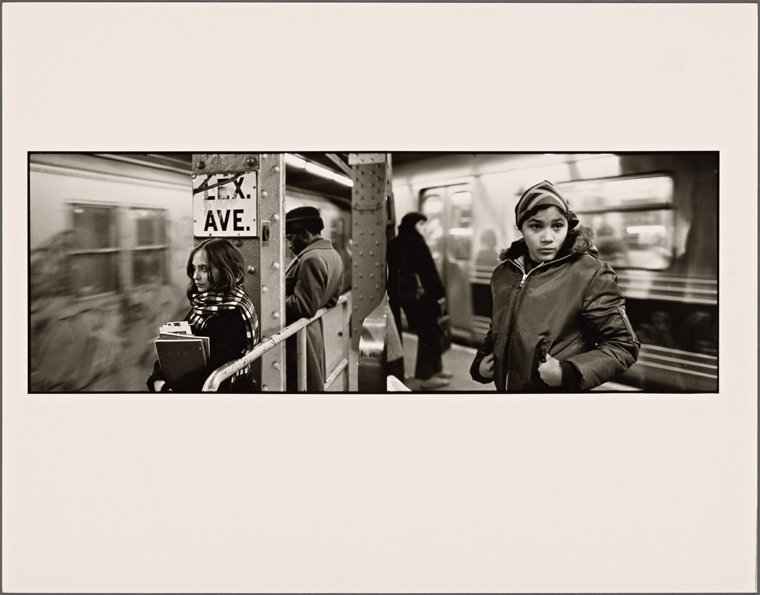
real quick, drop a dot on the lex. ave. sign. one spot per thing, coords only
(225, 205)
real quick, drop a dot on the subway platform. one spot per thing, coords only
(457, 360)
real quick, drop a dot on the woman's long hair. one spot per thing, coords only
(227, 260)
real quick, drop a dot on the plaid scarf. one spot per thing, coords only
(208, 303)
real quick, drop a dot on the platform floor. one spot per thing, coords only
(457, 360)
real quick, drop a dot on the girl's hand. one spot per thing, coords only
(550, 371)
(158, 385)
(486, 367)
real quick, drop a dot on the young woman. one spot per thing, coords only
(558, 320)
(221, 311)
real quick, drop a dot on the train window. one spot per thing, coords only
(633, 218)
(432, 208)
(460, 230)
(635, 239)
(619, 193)
(149, 250)
(337, 232)
(94, 253)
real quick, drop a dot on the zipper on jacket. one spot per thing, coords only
(515, 307)
(513, 314)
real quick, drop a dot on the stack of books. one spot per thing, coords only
(179, 351)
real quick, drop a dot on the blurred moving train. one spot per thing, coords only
(655, 217)
(109, 236)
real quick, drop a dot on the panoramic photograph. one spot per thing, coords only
(373, 272)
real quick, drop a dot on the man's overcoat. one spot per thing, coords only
(313, 280)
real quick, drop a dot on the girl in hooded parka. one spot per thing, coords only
(558, 320)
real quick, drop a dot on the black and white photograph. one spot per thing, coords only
(379, 297)
(397, 271)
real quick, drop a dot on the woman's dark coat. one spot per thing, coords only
(408, 251)
(313, 280)
(570, 308)
(227, 341)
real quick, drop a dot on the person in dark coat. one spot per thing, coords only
(558, 319)
(313, 280)
(409, 254)
(221, 311)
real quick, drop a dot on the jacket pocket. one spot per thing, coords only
(539, 356)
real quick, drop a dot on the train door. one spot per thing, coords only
(448, 233)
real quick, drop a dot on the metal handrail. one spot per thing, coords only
(373, 344)
(229, 369)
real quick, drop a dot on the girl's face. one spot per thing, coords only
(204, 273)
(544, 234)
(420, 227)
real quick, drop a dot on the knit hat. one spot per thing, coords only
(543, 194)
(300, 217)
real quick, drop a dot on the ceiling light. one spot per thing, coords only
(316, 169)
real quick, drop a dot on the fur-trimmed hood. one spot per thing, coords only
(579, 240)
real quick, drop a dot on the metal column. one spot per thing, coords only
(221, 178)
(369, 221)
(368, 232)
(272, 275)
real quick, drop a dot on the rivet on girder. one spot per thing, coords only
(252, 270)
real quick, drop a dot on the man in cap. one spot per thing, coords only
(313, 280)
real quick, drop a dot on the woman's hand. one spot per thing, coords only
(486, 367)
(550, 371)
(158, 385)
